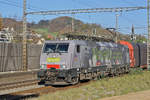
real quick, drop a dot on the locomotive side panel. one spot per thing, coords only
(110, 53)
(114, 57)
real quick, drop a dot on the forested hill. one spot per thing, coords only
(62, 25)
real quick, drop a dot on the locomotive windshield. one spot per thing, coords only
(56, 48)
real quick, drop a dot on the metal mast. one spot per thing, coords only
(72, 24)
(1, 23)
(116, 37)
(148, 38)
(24, 56)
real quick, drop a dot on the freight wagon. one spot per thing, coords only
(138, 54)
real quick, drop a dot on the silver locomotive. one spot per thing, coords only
(70, 61)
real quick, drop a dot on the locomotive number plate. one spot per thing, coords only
(53, 59)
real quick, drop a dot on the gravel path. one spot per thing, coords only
(144, 95)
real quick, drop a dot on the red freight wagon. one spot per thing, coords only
(133, 53)
(137, 53)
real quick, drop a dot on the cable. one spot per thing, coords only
(81, 3)
(15, 4)
(10, 4)
(85, 3)
(130, 3)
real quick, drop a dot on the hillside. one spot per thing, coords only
(9, 22)
(58, 26)
(63, 25)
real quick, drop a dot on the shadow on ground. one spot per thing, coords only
(18, 97)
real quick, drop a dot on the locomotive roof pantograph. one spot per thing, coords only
(88, 37)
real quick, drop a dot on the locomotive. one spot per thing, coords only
(70, 61)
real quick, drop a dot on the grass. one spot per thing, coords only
(45, 32)
(133, 82)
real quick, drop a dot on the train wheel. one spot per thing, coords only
(75, 80)
(42, 82)
(99, 77)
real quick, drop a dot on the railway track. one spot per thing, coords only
(36, 92)
(19, 84)
(40, 90)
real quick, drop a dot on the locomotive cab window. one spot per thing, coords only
(78, 48)
(56, 48)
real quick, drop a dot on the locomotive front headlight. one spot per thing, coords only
(43, 66)
(63, 66)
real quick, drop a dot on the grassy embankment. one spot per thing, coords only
(133, 82)
(44, 32)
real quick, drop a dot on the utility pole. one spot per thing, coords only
(148, 38)
(24, 56)
(116, 37)
(72, 24)
(1, 22)
(94, 31)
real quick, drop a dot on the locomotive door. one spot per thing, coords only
(84, 56)
(76, 57)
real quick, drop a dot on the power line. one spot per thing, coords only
(10, 4)
(15, 4)
(87, 4)
(81, 3)
(137, 27)
(30, 6)
(130, 3)
(91, 10)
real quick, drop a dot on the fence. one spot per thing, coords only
(11, 56)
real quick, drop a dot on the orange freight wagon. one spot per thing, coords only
(133, 53)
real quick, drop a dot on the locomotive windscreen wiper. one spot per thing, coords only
(57, 51)
(49, 48)
(56, 48)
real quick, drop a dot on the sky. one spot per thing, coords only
(14, 8)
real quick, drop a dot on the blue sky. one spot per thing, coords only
(13, 8)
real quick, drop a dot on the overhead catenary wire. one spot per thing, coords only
(90, 10)
(87, 4)
(15, 4)
(30, 6)
(10, 4)
(132, 3)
